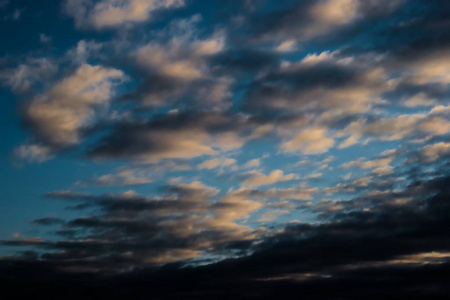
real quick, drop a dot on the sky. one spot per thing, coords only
(188, 149)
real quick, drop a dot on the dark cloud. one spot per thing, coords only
(379, 251)
(125, 231)
(283, 88)
(177, 135)
(246, 60)
(329, 20)
(48, 221)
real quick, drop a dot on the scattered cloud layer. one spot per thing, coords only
(176, 149)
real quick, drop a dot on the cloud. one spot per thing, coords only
(233, 207)
(328, 14)
(174, 135)
(14, 15)
(216, 162)
(27, 75)
(425, 64)
(309, 141)
(178, 60)
(420, 99)
(48, 221)
(84, 51)
(320, 82)
(179, 70)
(287, 46)
(369, 164)
(380, 165)
(184, 222)
(312, 19)
(113, 13)
(123, 178)
(253, 163)
(295, 193)
(44, 39)
(33, 153)
(258, 179)
(58, 116)
(272, 215)
(432, 153)
(420, 125)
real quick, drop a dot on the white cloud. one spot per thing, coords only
(83, 51)
(217, 162)
(233, 206)
(370, 164)
(124, 178)
(272, 215)
(253, 163)
(113, 13)
(287, 46)
(179, 59)
(296, 193)
(33, 153)
(434, 123)
(313, 140)
(420, 99)
(70, 105)
(25, 75)
(431, 67)
(258, 179)
(182, 67)
(432, 153)
(334, 12)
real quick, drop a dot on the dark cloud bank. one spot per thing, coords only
(390, 251)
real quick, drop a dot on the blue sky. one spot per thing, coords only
(153, 132)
